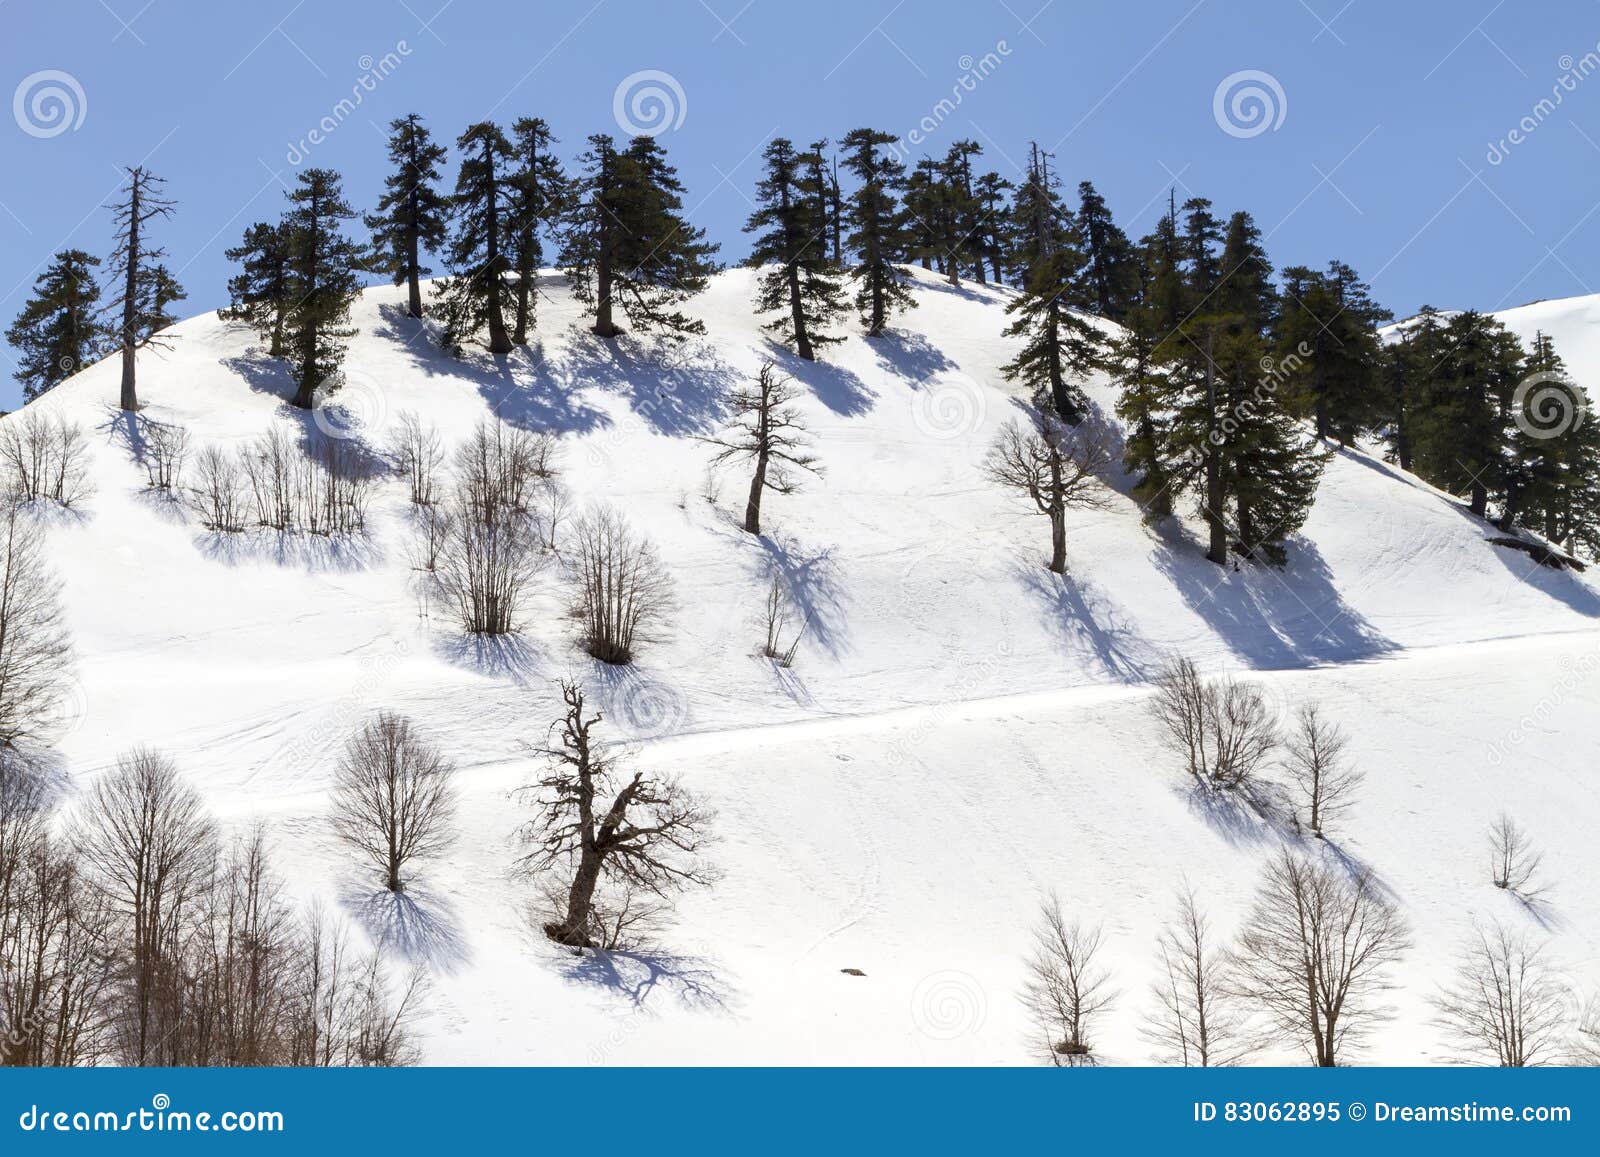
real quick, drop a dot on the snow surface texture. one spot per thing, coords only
(962, 730)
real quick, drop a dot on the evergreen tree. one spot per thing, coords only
(145, 288)
(412, 212)
(875, 238)
(1327, 342)
(990, 192)
(926, 225)
(1060, 346)
(58, 331)
(791, 237)
(965, 242)
(259, 293)
(540, 199)
(1144, 362)
(1556, 445)
(1408, 365)
(630, 246)
(322, 280)
(1460, 426)
(476, 293)
(1112, 270)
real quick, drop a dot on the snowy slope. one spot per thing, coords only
(961, 730)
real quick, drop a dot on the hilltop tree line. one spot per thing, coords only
(1236, 380)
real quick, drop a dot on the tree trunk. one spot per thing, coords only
(573, 929)
(603, 325)
(752, 505)
(1480, 499)
(519, 331)
(802, 340)
(1216, 495)
(1058, 541)
(130, 303)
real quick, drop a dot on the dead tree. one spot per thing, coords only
(1066, 990)
(1057, 467)
(624, 594)
(1506, 1006)
(1316, 764)
(393, 797)
(1221, 728)
(150, 850)
(34, 645)
(145, 287)
(639, 832)
(1315, 955)
(767, 431)
(1513, 862)
(1198, 1022)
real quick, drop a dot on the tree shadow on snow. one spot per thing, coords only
(313, 553)
(1084, 618)
(812, 579)
(841, 390)
(512, 657)
(636, 975)
(1243, 817)
(909, 355)
(420, 927)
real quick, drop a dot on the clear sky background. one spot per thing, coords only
(1377, 151)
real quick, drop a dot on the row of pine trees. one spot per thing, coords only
(1235, 380)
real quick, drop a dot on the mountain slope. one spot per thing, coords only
(960, 731)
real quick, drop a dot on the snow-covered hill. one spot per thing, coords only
(961, 732)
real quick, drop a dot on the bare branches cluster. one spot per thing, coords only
(163, 451)
(1067, 988)
(34, 644)
(393, 797)
(1221, 728)
(625, 595)
(44, 458)
(1056, 467)
(277, 484)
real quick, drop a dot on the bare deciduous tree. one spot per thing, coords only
(641, 833)
(220, 496)
(1506, 1006)
(485, 558)
(1222, 728)
(393, 797)
(1315, 955)
(500, 468)
(34, 646)
(1513, 862)
(1057, 467)
(165, 450)
(767, 431)
(416, 453)
(624, 595)
(150, 849)
(44, 458)
(1067, 989)
(1198, 1022)
(1316, 764)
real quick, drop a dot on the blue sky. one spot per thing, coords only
(1376, 148)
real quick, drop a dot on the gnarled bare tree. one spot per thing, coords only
(393, 799)
(767, 431)
(1057, 467)
(1513, 861)
(595, 822)
(34, 646)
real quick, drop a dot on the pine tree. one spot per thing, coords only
(412, 212)
(145, 288)
(259, 293)
(1327, 342)
(965, 244)
(1060, 346)
(630, 247)
(1145, 360)
(791, 237)
(875, 238)
(1112, 271)
(924, 223)
(322, 280)
(1554, 480)
(476, 293)
(1408, 366)
(540, 199)
(990, 192)
(58, 331)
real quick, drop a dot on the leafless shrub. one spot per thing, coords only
(1221, 728)
(34, 645)
(150, 851)
(43, 458)
(500, 469)
(433, 525)
(343, 482)
(1316, 764)
(640, 835)
(1506, 1006)
(393, 797)
(486, 559)
(220, 496)
(624, 595)
(416, 454)
(1513, 862)
(323, 492)
(1066, 990)
(1315, 955)
(166, 448)
(780, 613)
(554, 513)
(1057, 467)
(1198, 1021)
